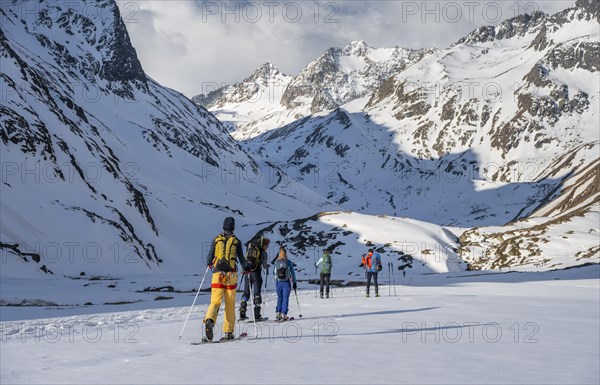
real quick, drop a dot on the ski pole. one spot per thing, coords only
(389, 280)
(253, 310)
(243, 289)
(267, 280)
(296, 294)
(317, 283)
(193, 303)
(393, 277)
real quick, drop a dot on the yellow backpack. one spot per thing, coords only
(225, 253)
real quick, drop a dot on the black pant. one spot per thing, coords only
(255, 279)
(325, 279)
(372, 274)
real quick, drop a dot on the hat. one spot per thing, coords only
(229, 224)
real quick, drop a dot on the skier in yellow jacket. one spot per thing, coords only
(221, 259)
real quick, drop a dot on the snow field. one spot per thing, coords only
(495, 328)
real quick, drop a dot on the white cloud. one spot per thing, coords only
(190, 45)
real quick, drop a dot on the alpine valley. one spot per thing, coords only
(484, 155)
(492, 145)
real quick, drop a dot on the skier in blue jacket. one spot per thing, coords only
(372, 265)
(285, 280)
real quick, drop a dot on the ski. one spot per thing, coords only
(220, 341)
(249, 320)
(285, 320)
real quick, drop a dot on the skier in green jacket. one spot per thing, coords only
(326, 265)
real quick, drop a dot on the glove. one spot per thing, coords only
(210, 266)
(295, 286)
(247, 268)
(361, 265)
(316, 265)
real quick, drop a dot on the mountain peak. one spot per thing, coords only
(357, 47)
(122, 63)
(264, 72)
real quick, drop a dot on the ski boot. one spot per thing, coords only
(278, 317)
(243, 316)
(209, 325)
(257, 315)
(228, 336)
(321, 295)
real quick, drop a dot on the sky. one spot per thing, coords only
(194, 46)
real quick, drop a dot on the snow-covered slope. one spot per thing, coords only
(415, 246)
(561, 233)
(356, 163)
(104, 170)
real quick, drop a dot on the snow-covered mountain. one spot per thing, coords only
(482, 133)
(269, 99)
(104, 171)
(101, 164)
(252, 89)
(476, 134)
(341, 75)
(482, 155)
(256, 98)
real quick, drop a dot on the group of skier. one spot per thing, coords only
(226, 250)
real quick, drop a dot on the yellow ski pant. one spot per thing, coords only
(223, 285)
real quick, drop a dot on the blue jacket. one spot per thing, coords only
(291, 271)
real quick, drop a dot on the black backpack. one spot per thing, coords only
(253, 254)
